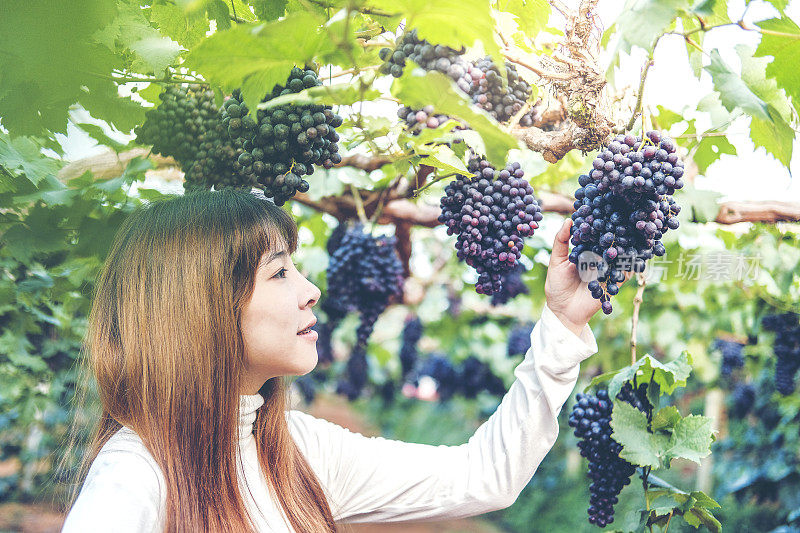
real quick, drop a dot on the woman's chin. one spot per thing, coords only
(308, 363)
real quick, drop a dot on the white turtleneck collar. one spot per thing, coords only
(248, 405)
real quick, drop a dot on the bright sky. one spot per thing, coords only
(751, 175)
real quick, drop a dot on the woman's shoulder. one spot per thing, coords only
(126, 440)
(125, 454)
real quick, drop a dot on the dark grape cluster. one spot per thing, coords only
(477, 377)
(591, 418)
(283, 143)
(512, 285)
(490, 213)
(175, 127)
(732, 357)
(742, 400)
(412, 333)
(623, 208)
(489, 91)
(352, 382)
(307, 387)
(786, 347)
(439, 367)
(469, 378)
(364, 274)
(428, 56)
(519, 340)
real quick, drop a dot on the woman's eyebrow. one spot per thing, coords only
(273, 256)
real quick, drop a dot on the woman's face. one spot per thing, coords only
(272, 320)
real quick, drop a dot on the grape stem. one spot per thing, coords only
(365, 11)
(351, 71)
(131, 79)
(637, 302)
(666, 526)
(359, 204)
(417, 192)
(645, 475)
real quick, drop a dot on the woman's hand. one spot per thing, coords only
(567, 296)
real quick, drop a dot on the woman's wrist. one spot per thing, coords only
(574, 327)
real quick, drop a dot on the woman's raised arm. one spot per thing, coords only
(375, 479)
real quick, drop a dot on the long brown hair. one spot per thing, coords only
(165, 350)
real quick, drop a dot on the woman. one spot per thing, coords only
(198, 314)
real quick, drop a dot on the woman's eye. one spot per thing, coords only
(280, 274)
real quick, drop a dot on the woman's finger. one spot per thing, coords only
(561, 243)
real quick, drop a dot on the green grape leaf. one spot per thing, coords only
(418, 89)
(665, 418)
(702, 203)
(775, 136)
(16, 347)
(758, 96)
(709, 149)
(218, 10)
(24, 155)
(186, 28)
(713, 12)
(732, 89)
(441, 156)
(700, 516)
(453, 23)
(264, 54)
(133, 31)
(532, 15)
(691, 438)
(639, 446)
(666, 118)
(47, 53)
(641, 22)
(151, 92)
(783, 49)
(754, 74)
(269, 9)
(157, 52)
(102, 100)
(692, 506)
(668, 376)
(243, 11)
(97, 133)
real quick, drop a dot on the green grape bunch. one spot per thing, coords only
(174, 128)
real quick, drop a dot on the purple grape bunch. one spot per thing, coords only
(491, 213)
(519, 340)
(742, 400)
(417, 120)
(412, 333)
(591, 419)
(786, 347)
(624, 206)
(502, 99)
(513, 286)
(428, 56)
(364, 275)
(732, 357)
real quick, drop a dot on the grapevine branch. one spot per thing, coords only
(572, 72)
(637, 302)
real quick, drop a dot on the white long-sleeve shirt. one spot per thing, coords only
(367, 479)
